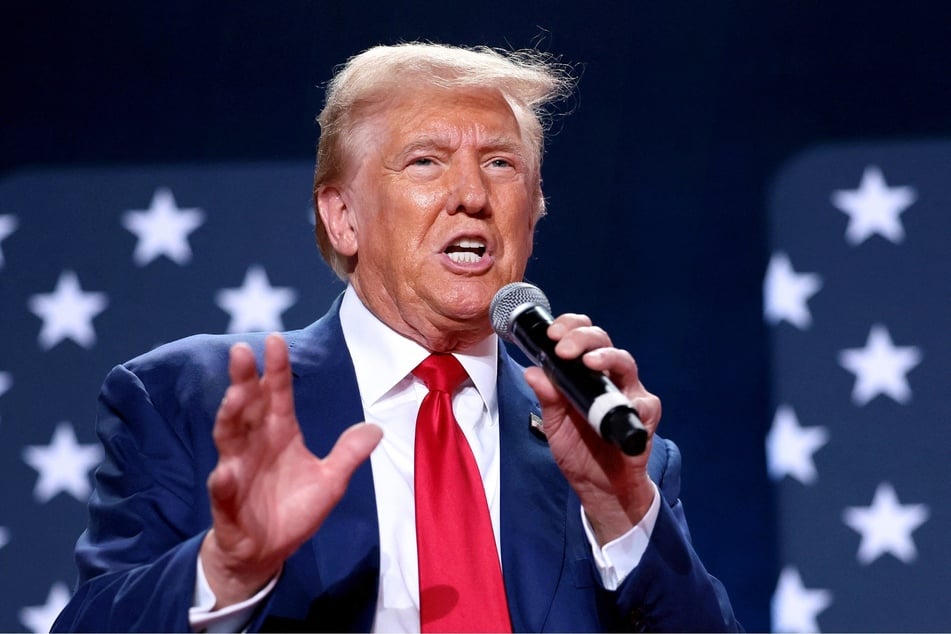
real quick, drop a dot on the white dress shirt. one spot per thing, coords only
(383, 361)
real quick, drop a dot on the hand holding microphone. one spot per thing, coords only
(520, 313)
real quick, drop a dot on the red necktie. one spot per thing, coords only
(460, 579)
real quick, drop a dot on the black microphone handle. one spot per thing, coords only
(619, 423)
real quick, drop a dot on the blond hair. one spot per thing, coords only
(529, 81)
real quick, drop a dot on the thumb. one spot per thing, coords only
(544, 389)
(351, 450)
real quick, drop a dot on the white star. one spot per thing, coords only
(6, 382)
(789, 447)
(8, 224)
(4, 536)
(886, 525)
(40, 618)
(256, 305)
(874, 208)
(162, 229)
(794, 608)
(786, 292)
(880, 367)
(67, 312)
(63, 465)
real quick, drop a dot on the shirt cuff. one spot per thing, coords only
(616, 559)
(204, 618)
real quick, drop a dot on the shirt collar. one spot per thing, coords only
(382, 357)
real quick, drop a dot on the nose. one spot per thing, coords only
(468, 189)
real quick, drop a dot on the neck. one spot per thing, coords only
(435, 332)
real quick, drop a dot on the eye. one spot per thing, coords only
(424, 166)
(500, 163)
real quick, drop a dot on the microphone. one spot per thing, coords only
(521, 314)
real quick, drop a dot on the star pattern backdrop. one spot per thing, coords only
(858, 444)
(657, 229)
(858, 297)
(97, 266)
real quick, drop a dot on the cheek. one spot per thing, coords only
(425, 198)
(521, 220)
(409, 213)
(396, 229)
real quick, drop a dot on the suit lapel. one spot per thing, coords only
(534, 505)
(341, 563)
(337, 572)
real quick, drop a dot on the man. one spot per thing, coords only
(428, 189)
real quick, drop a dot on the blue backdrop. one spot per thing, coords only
(686, 170)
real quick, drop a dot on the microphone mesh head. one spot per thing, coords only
(508, 300)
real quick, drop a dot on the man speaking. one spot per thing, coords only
(240, 492)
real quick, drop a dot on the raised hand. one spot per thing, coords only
(614, 489)
(269, 493)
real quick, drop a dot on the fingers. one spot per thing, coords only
(577, 337)
(241, 364)
(242, 407)
(648, 408)
(619, 364)
(250, 401)
(575, 334)
(278, 380)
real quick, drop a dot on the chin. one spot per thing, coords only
(467, 304)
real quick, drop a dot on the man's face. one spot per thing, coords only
(441, 206)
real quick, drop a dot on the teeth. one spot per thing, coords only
(466, 250)
(463, 257)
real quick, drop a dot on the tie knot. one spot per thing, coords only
(441, 372)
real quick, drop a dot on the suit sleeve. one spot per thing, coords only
(670, 590)
(137, 557)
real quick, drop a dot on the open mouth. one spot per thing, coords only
(466, 251)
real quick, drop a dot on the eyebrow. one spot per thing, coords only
(505, 144)
(495, 144)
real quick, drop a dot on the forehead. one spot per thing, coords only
(445, 116)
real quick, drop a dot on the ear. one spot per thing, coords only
(337, 218)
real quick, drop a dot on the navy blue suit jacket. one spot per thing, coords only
(150, 510)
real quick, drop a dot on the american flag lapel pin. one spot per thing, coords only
(536, 425)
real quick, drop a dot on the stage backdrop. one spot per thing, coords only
(749, 196)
